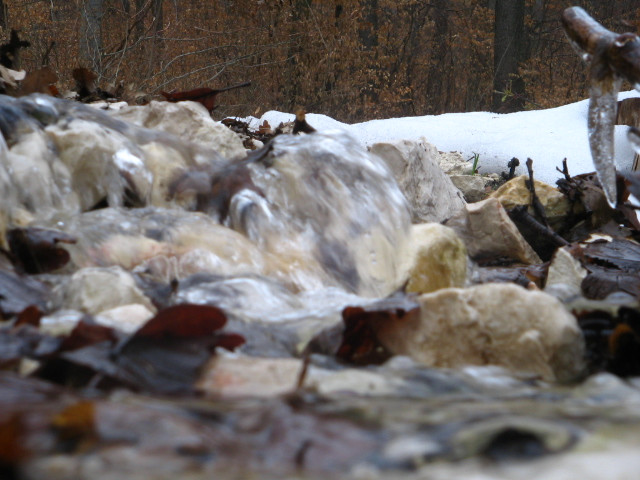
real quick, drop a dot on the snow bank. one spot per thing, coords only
(546, 136)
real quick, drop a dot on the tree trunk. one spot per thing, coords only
(436, 78)
(157, 43)
(508, 52)
(91, 35)
(368, 28)
(368, 43)
(4, 15)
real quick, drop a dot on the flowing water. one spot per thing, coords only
(282, 241)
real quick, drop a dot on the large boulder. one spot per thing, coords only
(431, 194)
(529, 332)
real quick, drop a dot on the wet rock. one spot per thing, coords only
(86, 158)
(493, 324)
(95, 157)
(489, 233)
(435, 258)
(126, 318)
(515, 192)
(35, 182)
(428, 189)
(94, 290)
(232, 375)
(240, 376)
(189, 121)
(512, 438)
(161, 243)
(273, 319)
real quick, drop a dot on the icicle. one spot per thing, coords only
(601, 122)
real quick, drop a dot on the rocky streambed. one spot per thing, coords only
(175, 305)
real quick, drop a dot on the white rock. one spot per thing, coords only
(127, 318)
(187, 120)
(453, 163)
(488, 232)
(525, 331)
(565, 275)
(234, 375)
(11, 77)
(471, 186)
(432, 196)
(435, 258)
(231, 375)
(94, 290)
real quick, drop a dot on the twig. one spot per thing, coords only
(535, 202)
(565, 170)
(513, 163)
(302, 376)
(520, 214)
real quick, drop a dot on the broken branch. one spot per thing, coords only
(621, 52)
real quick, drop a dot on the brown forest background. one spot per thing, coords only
(353, 60)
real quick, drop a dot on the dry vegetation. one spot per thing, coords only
(351, 59)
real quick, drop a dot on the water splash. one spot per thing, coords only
(336, 201)
(321, 211)
(84, 156)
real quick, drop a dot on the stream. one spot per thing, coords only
(131, 212)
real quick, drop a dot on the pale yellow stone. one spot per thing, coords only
(515, 192)
(93, 290)
(528, 332)
(435, 258)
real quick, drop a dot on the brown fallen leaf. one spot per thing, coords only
(38, 250)
(165, 355)
(18, 292)
(12, 448)
(613, 266)
(364, 327)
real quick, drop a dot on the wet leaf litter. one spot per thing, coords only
(265, 326)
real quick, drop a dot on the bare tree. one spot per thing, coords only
(4, 15)
(436, 79)
(91, 49)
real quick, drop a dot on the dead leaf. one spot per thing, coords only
(613, 266)
(19, 292)
(38, 250)
(364, 326)
(165, 355)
